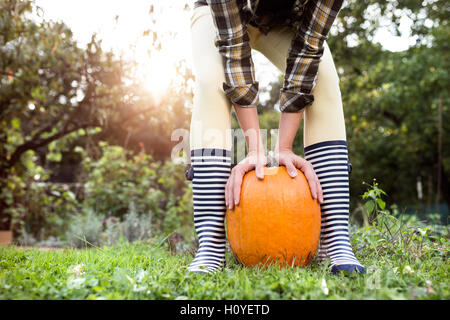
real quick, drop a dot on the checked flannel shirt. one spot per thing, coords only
(312, 22)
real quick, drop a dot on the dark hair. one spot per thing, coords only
(270, 13)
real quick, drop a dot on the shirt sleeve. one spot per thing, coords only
(233, 43)
(305, 52)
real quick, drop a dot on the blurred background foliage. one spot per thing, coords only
(84, 149)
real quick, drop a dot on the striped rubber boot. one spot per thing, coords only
(211, 169)
(330, 162)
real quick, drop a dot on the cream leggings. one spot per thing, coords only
(211, 116)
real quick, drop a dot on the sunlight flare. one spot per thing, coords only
(158, 73)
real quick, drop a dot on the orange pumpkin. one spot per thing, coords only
(277, 220)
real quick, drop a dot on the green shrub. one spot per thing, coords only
(136, 226)
(37, 208)
(90, 229)
(131, 188)
(177, 203)
(120, 178)
(398, 236)
(85, 229)
(117, 178)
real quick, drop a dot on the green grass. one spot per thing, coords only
(418, 270)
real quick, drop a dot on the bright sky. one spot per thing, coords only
(85, 17)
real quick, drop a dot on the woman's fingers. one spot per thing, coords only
(237, 182)
(234, 182)
(259, 170)
(229, 191)
(312, 184)
(257, 162)
(319, 192)
(318, 187)
(310, 175)
(292, 162)
(291, 169)
(288, 162)
(308, 170)
(227, 185)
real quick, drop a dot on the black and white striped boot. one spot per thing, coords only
(330, 162)
(210, 169)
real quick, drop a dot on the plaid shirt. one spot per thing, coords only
(312, 22)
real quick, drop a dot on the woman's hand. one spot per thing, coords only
(291, 161)
(253, 160)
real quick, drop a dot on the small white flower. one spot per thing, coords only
(140, 275)
(139, 288)
(75, 283)
(77, 270)
(324, 287)
(408, 270)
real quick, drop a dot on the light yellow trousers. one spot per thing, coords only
(211, 114)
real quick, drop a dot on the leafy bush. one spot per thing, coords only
(85, 229)
(136, 227)
(119, 178)
(36, 207)
(404, 238)
(132, 188)
(90, 229)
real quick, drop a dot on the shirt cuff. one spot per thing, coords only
(243, 96)
(294, 101)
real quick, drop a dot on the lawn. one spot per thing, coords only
(407, 266)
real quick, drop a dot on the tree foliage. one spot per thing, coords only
(392, 100)
(56, 95)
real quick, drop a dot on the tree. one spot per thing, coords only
(52, 88)
(392, 99)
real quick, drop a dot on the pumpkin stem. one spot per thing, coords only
(271, 160)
